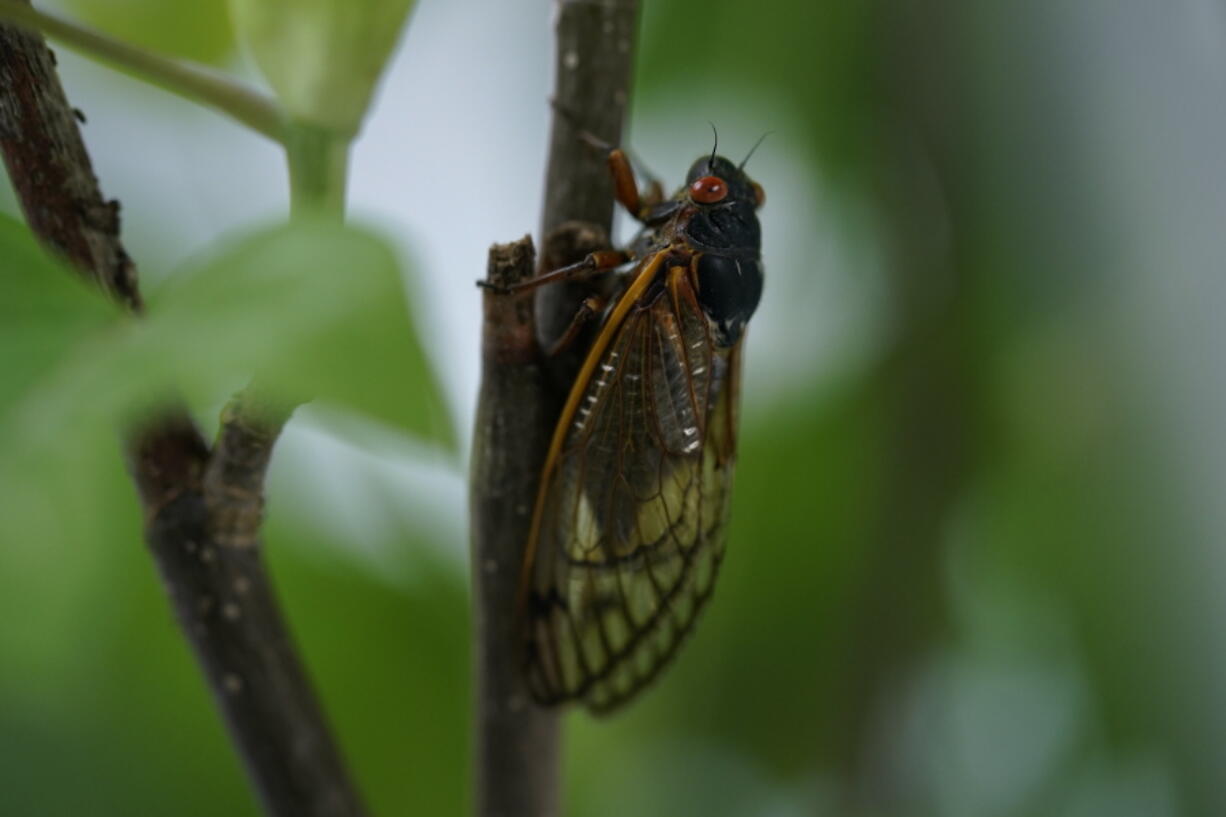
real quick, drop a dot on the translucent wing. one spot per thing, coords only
(629, 528)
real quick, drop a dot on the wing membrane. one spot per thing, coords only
(631, 517)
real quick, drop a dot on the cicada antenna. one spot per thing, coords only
(761, 139)
(715, 147)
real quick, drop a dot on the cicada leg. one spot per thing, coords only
(592, 306)
(625, 187)
(654, 195)
(593, 264)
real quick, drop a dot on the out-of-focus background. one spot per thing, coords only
(976, 557)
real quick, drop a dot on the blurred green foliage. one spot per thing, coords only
(98, 685)
(953, 582)
(297, 305)
(47, 311)
(321, 57)
(198, 29)
(816, 60)
(100, 688)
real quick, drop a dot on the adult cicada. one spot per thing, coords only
(630, 517)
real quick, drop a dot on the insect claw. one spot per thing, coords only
(490, 286)
(592, 140)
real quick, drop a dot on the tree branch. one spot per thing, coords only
(202, 508)
(233, 481)
(50, 169)
(593, 69)
(517, 741)
(210, 560)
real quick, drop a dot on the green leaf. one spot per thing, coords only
(322, 57)
(53, 429)
(197, 29)
(45, 309)
(314, 310)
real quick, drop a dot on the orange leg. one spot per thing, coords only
(625, 188)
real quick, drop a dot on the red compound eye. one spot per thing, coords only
(708, 190)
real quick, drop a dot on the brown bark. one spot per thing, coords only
(593, 69)
(517, 741)
(50, 169)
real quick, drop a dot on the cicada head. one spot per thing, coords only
(715, 180)
(724, 229)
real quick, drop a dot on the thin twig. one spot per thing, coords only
(517, 741)
(233, 482)
(202, 508)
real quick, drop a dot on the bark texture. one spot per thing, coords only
(517, 741)
(50, 168)
(593, 70)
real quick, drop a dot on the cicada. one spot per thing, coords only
(628, 529)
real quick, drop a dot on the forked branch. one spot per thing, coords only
(202, 506)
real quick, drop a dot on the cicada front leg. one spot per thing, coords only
(621, 169)
(640, 204)
(593, 264)
(625, 186)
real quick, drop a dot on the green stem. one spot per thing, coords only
(318, 170)
(191, 80)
